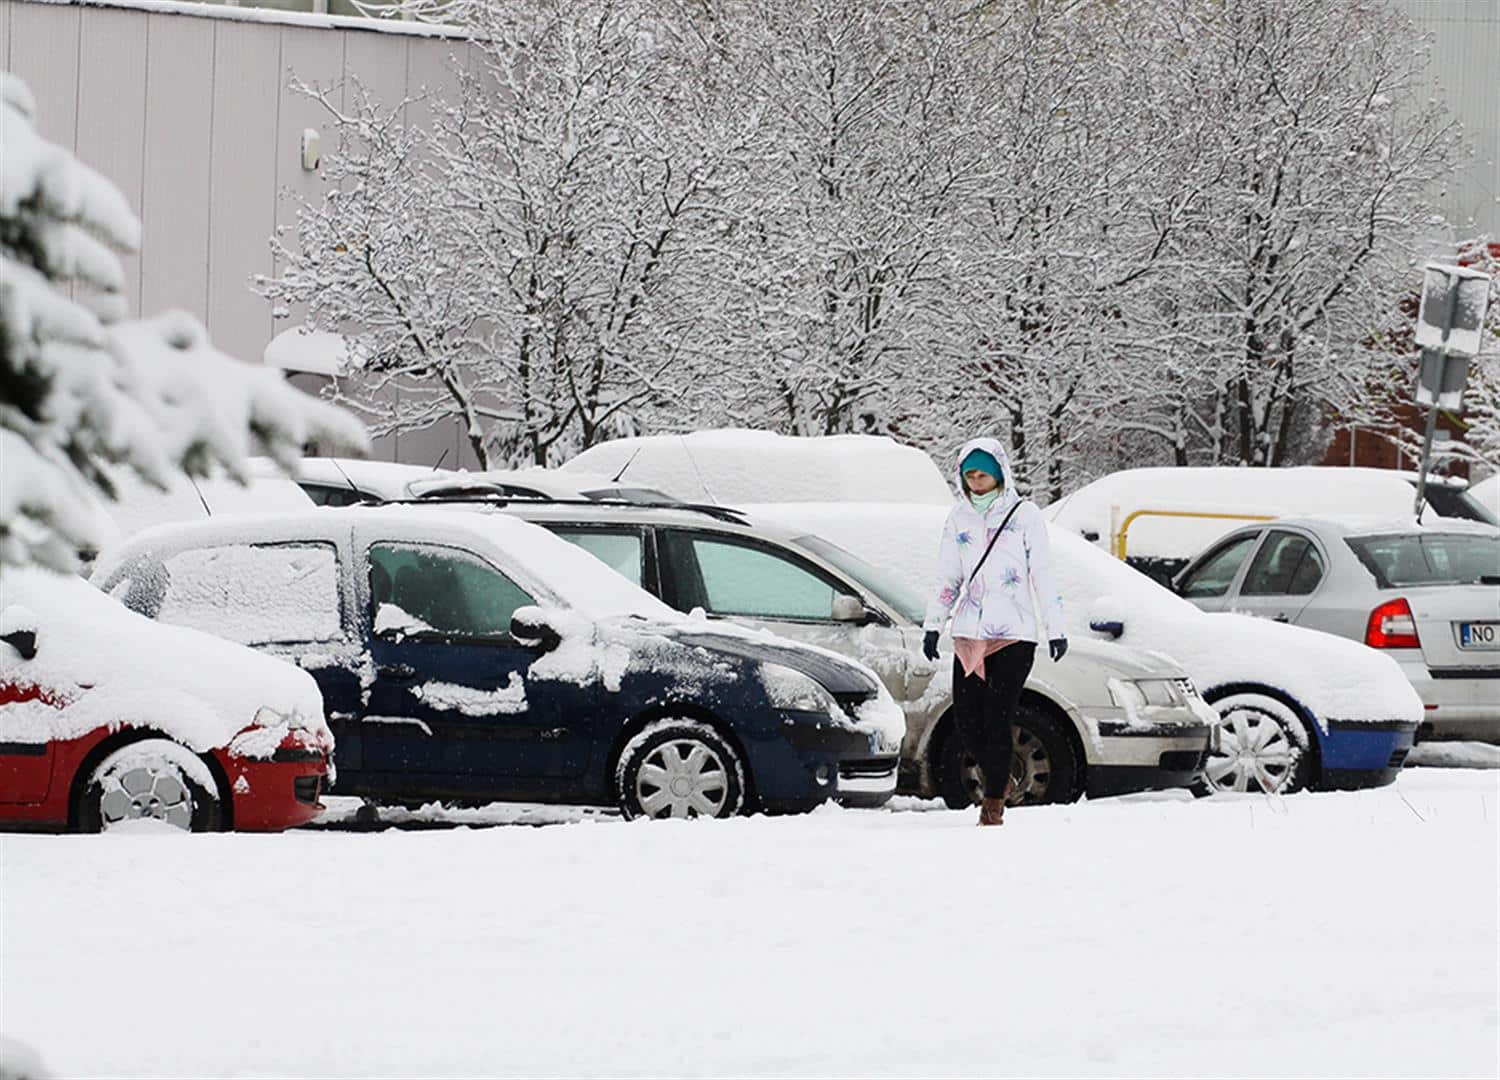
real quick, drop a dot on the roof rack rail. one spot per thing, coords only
(439, 498)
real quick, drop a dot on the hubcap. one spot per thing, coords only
(1254, 749)
(682, 779)
(146, 791)
(1030, 769)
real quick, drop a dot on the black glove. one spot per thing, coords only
(1058, 647)
(929, 644)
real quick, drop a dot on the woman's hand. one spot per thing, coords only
(929, 644)
(1058, 647)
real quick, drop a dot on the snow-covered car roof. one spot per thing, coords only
(547, 483)
(1336, 678)
(139, 505)
(383, 479)
(574, 577)
(732, 466)
(1386, 524)
(112, 667)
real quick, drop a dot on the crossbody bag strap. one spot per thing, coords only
(991, 546)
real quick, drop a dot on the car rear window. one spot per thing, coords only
(1402, 559)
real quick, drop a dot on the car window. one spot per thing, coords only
(1428, 559)
(419, 588)
(622, 551)
(876, 579)
(735, 578)
(260, 594)
(1216, 573)
(1286, 564)
(323, 495)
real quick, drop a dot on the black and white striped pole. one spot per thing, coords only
(1449, 324)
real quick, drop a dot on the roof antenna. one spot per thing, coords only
(628, 462)
(360, 495)
(206, 508)
(694, 463)
(441, 458)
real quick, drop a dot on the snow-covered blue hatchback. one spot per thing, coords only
(477, 657)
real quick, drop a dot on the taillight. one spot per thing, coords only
(1391, 626)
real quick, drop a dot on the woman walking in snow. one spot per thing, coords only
(994, 552)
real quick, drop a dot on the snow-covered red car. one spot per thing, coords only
(107, 717)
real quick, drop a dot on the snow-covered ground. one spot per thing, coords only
(1347, 934)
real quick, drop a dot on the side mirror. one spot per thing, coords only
(23, 641)
(850, 609)
(531, 630)
(1113, 627)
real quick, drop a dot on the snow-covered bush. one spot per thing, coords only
(82, 387)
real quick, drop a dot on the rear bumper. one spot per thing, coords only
(1455, 705)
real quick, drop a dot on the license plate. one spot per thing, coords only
(1479, 635)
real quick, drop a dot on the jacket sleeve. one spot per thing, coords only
(1039, 562)
(950, 579)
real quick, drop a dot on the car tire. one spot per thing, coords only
(151, 778)
(1044, 763)
(1278, 749)
(679, 768)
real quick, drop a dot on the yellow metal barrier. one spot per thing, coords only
(1117, 537)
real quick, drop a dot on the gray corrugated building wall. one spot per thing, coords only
(187, 109)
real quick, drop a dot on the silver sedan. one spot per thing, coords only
(1429, 597)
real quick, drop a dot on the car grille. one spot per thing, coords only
(296, 753)
(307, 788)
(1398, 758)
(1186, 688)
(867, 768)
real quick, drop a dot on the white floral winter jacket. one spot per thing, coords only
(999, 603)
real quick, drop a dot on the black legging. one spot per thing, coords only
(983, 709)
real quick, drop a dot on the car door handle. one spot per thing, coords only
(397, 671)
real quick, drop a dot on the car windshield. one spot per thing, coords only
(1402, 559)
(876, 580)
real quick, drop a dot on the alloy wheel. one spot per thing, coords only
(1256, 753)
(146, 790)
(683, 778)
(1030, 769)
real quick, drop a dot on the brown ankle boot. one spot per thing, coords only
(992, 811)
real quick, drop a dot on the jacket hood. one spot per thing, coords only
(993, 448)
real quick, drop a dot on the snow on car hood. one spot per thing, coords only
(109, 667)
(1334, 677)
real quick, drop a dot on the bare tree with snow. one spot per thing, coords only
(521, 264)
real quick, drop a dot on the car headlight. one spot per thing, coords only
(793, 690)
(1131, 694)
(1160, 692)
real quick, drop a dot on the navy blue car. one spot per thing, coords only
(477, 657)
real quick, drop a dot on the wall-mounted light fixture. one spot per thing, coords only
(311, 149)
